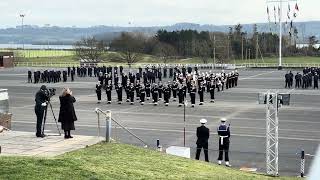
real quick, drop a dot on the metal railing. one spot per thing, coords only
(108, 117)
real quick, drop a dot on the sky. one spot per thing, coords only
(85, 13)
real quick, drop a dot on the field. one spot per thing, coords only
(66, 56)
(117, 161)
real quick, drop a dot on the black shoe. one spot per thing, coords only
(66, 137)
(70, 137)
(41, 135)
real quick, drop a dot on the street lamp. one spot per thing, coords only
(22, 17)
(184, 120)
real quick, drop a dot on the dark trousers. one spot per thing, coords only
(201, 97)
(98, 95)
(205, 150)
(174, 93)
(119, 96)
(142, 96)
(109, 95)
(224, 148)
(155, 97)
(212, 94)
(287, 84)
(148, 93)
(193, 98)
(39, 112)
(181, 98)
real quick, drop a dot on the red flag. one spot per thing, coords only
(297, 8)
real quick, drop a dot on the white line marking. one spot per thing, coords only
(256, 75)
(193, 132)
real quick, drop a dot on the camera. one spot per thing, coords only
(50, 92)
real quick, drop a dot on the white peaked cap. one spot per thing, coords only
(203, 121)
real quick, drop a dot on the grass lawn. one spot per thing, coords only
(42, 53)
(118, 161)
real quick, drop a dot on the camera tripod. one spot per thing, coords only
(44, 118)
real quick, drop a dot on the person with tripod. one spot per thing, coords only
(41, 104)
(67, 114)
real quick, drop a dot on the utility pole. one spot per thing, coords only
(22, 18)
(214, 51)
(257, 46)
(242, 47)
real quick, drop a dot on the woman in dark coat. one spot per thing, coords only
(67, 114)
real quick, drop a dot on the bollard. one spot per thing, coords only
(108, 126)
(159, 147)
(302, 163)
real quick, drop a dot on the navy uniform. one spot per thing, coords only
(118, 88)
(98, 91)
(211, 90)
(224, 142)
(174, 90)
(160, 89)
(131, 93)
(203, 134)
(193, 95)
(29, 77)
(181, 92)
(108, 91)
(166, 94)
(142, 93)
(201, 92)
(155, 92)
(315, 81)
(148, 89)
(236, 77)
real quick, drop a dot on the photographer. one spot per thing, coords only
(41, 104)
(67, 114)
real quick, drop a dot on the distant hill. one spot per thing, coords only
(68, 35)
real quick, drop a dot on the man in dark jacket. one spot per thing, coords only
(202, 141)
(40, 107)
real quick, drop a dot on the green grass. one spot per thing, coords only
(42, 53)
(118, 161)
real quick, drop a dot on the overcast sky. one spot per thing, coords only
(84, 13)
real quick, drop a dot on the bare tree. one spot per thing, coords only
(130, 46)
(203, 50)
(164, 51)
(90, 49)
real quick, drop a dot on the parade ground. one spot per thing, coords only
(299, 123)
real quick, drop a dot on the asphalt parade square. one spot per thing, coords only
(298, 123)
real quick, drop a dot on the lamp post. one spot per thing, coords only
(22, 18)
(184, 120)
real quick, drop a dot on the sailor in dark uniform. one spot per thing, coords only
(98, 91)
(211, 90)
(131, 93)
(142, 93)
(193, 92)
(148, 89)
(29, 77)
(155, 92)
(201, 91)
(174, 90)
(181, 92)
(108, 87)
(166, 94)
(203, 134)
(315, 81)
(118, 88)
(224, 142)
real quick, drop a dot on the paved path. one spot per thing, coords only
(18, 143)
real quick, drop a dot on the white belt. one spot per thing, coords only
(221, 139)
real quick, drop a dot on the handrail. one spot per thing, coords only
(98, 110)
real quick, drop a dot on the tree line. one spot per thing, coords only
(216, 47)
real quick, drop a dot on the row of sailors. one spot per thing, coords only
(48, 76)
(302, 81)
(159, 91)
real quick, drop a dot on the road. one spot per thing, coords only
(299, 123)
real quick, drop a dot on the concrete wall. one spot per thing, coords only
(8, 62)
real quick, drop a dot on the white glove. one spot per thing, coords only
(44, 104)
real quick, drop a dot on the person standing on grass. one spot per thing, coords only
(67, 114)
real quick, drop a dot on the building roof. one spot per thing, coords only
(6, 53)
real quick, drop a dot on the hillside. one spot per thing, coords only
(118, 161)
(68, 35)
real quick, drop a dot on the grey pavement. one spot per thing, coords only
(299, 123)
(18, 143)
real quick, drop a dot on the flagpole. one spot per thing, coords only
(280, 38)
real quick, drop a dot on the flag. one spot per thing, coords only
(297, 8)
(279, 14)
(288, 15)
(275, 15)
